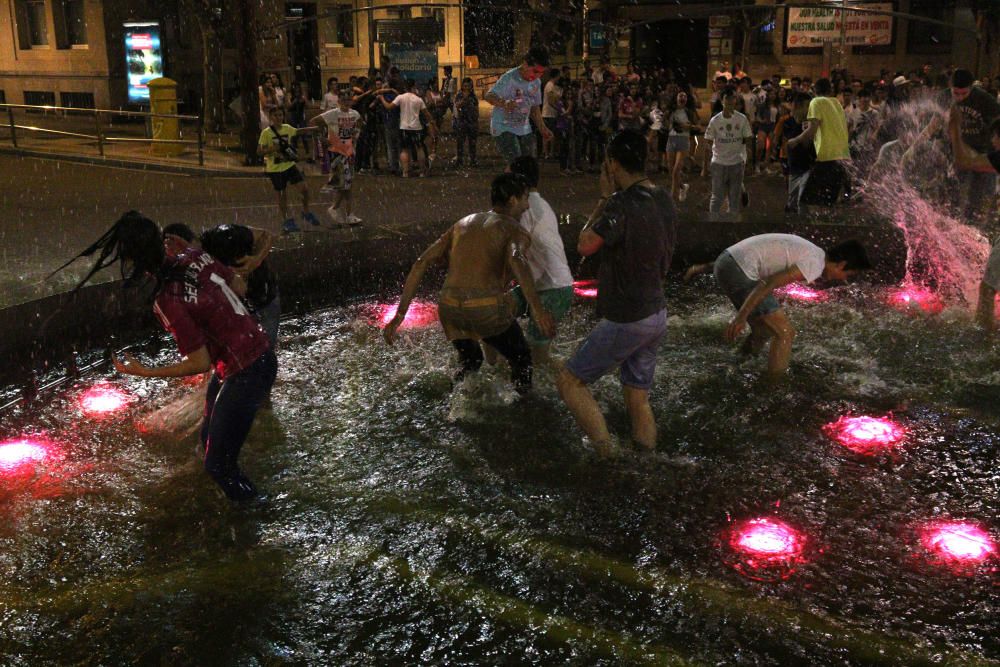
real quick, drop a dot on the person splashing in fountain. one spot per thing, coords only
(197, 300)
(751, 270)
(968, 160)
(633, 230)
(483, 251)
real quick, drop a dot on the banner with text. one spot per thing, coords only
(810, 27)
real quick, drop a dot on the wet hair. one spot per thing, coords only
(628, 148)
(133, 240)
(227, 243)
(527, 168)
(537, 56)
(962, 78)
(180, 230)
(852, 253)
(823, 87)
(506, 186)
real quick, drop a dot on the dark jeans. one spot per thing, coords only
(463, 135)
(230, 408)
(511, 344)
(828, 183)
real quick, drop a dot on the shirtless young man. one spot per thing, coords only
(484, 251)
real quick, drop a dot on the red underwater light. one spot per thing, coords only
(585, 289)
(765, 549)
(421, 314)
(912, 297)
(20, 453)
(959, 543)
(801, 293)
(103, 399)
(865, 435)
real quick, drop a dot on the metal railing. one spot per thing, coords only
(100, 127)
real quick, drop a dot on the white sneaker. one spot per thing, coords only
(353, 220)
(336, 214)
(683, 194)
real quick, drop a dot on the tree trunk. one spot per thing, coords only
(247, 64)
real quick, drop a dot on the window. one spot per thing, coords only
(928, 38)
(75, 22)
(32, 26)
(762, 40)
(344, 21)
(40, 97)
(77, 100)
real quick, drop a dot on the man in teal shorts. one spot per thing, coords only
(546, 257)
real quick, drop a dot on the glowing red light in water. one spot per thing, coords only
(801, 293)
(911, 297)
(419, 315)
(103, 399)
(866, 435)
(586, 289)
(18, 454)
(958, 542)
(765, 548)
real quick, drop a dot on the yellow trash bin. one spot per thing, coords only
(163, 99)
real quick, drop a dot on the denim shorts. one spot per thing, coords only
(631, 346)
(737, 286)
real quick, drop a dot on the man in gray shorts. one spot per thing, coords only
(750, 271)
(633, 230)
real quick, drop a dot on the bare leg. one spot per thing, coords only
(283, 203)
(985, 315)
(755, 342)
(491, 354)
(541, 355)
(676, 162)
(697, 270)
(641, 414)
(304, 193)
(782, 335)
(404, 161)
(585, 410)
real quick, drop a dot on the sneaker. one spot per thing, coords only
(683, 194)
(311, 218)
(289, 226)
(353, 220)
(336, 214)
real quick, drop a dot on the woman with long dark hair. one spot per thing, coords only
(198, 300)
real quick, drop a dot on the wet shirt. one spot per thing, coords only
(637, 226)
(274, 163)
(979, 109)
(512, 86)
(831, 139)
(765, 255)
(802, 156)
(199, 309)
(343, 128)
(727, 136)
(546, 255)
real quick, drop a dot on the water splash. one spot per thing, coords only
(21, 454)
(912, 298)
(103, 399)
(421, 314)
(765, 549)
(957, 544)
(802, 293)
(912, 184)
(585, 289)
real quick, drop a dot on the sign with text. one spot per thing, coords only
(810, 27)
(143, 59)
(419, 63)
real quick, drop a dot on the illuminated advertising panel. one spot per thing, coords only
(143, 59)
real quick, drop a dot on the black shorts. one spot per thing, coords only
(282, 179)
(661, 141)
(411, 139)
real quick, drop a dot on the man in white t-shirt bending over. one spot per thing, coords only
(411, 111)
(728, 133)
(750, 271)
(545, 256)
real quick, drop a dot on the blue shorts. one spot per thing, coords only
(737, 286)
(631, 346)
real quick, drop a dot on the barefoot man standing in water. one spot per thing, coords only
(484, 251)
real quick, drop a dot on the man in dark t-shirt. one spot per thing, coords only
(977, 110)
(632, 232)
(800, 150)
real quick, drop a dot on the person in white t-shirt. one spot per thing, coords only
(728, 134)
(343, 125)
(750, 271)
(331, 96)
(412, 110)
(546, 257)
